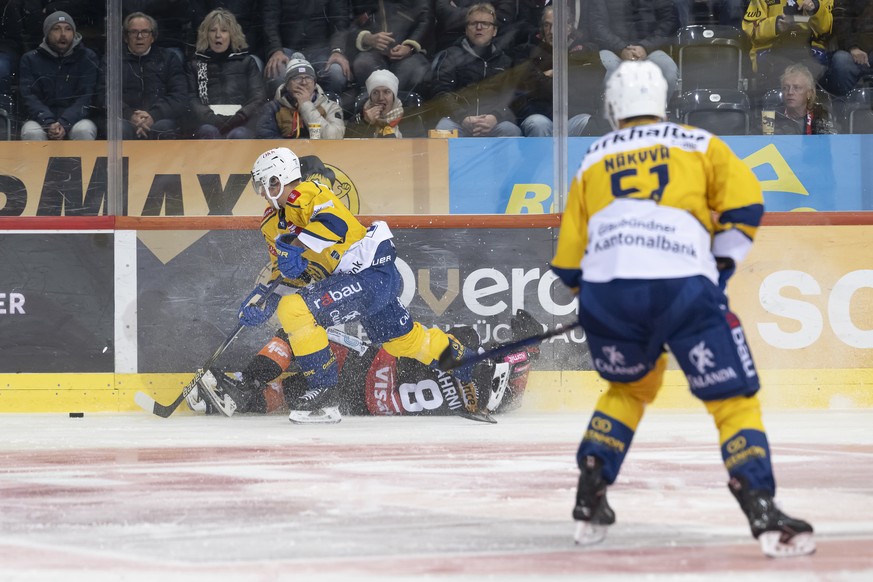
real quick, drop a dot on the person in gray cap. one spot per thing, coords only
(300, 109)
(58, 80)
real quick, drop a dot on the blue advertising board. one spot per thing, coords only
(514, 175)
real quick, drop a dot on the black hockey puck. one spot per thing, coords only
(77, 415)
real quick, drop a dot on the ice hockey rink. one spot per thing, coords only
(135, 497)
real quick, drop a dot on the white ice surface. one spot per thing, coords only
(137, 497)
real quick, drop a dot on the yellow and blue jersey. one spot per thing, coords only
(321, 222)
(657, 201)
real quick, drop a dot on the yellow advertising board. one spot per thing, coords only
(211, 177)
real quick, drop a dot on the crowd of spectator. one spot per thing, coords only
(210, 69)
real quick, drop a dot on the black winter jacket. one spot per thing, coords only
(230, 79)
(853, 24)
(155, 83)
(584, 80)
(650, 24)
(55, 88)
(475, 82)
(303, 25)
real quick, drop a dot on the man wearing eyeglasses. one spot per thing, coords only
(154, 88)
(473, 81)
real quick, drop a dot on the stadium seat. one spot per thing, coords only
(858, 110)
(711, 57)
(723, 112)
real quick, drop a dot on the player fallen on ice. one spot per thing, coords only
(343, 272)
(373, 382)
(657, 218)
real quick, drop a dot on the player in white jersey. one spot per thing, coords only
(657, 219)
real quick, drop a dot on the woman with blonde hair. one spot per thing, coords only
(224, 80)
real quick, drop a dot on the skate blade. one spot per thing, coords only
(801, 544)
(588, 534)
(327, 415)
(206, 388)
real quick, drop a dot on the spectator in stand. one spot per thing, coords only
(393, 35)
(154, 87)
(635, 30)
(382, 111)
(90, 15)
(300, 109)
(173, 18)
(10, 53)
(473, 82)
(315, 29)
(224, 81)
(58, 80)
(801, 114)
(525, 29)
(451, 22)
(248, 14)
(788, 32)
(853, 30)
(585, 78)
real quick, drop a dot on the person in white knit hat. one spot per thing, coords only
(383, 110)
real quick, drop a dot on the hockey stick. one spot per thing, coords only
(447, 362)
(149, 404)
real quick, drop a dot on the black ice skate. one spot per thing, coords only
(316, 406)
(780, 535)
(592, 511)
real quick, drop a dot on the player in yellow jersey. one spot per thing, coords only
(343, 272)
(657, 218)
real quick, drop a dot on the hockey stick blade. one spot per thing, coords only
(447, 362)
(477, 416)
(149, 404)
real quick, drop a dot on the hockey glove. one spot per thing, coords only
(290, 262)
(252, 315)
(726, 268)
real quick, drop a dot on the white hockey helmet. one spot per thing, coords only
(279, 166)
(636, 88)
